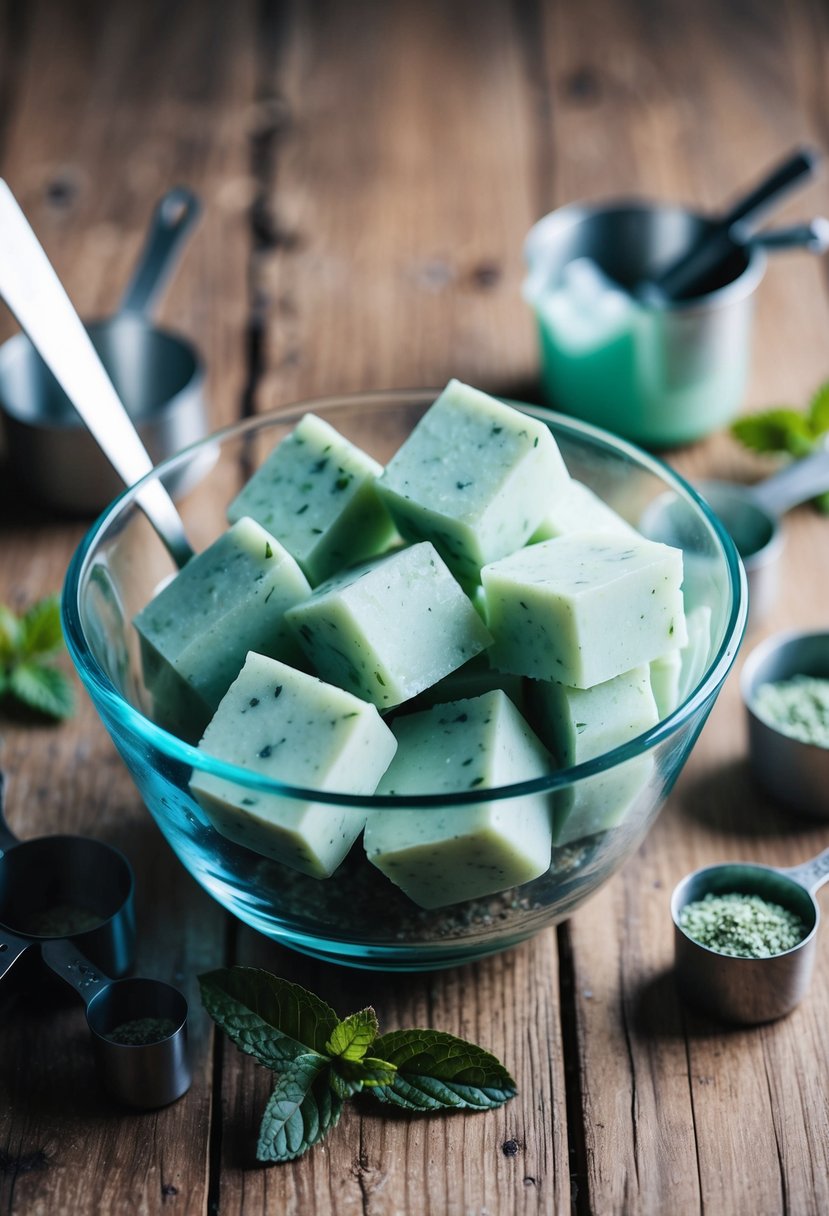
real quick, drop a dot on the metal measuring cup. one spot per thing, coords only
(141, 1074)
(749, 990)
(65, 887)
(158, 375)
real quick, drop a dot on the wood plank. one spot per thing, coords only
(111, 105)
(378, 271)
(688, 105)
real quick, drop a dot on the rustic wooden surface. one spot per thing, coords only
(368, 172)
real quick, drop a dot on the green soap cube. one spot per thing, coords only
(196, 631)
(665, 672)
(443, 855)
(582, 609)
(389, 629)
(575, 508)
(696, 654)
(580, 724)
(473, 478)
(292, 728)
(316, 493)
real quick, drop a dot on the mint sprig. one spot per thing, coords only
(785, 430)
(321, 1060)
(25, 642)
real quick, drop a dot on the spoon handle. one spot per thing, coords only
(7, 836)
(801, 163)
(74, 968)
(173, 218)
(797, 483)
(37, 298)
(810, 874)
(11, 948)
(813, 236)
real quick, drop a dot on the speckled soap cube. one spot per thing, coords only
(446, 854)
(195, 633)
(574, 507)
(583, 609)
(579, 724)
(473, 478)
(317, 493)
(389, 629)
(292, 728)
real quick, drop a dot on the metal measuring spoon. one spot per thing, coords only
(158, 375)
(750, 990)
(752, 516)
(34, 293)
(145, 1074)
(65, 887)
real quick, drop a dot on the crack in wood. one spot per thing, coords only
(573, 1094)
(529, 24)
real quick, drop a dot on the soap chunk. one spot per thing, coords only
(316, 493)
(387, 630)
(580, 724)
(473, 477)
(583, 609)
(665, 672)
(696, 654)
(195, 633)
(292, 728)
(443, 855)
(575, 508)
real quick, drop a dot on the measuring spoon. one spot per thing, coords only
(752, 515)
(145, 1074)
(65, 887)
(750, 990)
(34, 293)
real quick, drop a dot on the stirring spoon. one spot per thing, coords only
(34, 293)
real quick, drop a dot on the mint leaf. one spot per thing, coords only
(40, 628)
(348, 1077)
(437, 1070)
(300, 1111)
(354, 1035)
(9, 635)
(776, 430)
(267, 1017)
(44, 689)
(819, 411)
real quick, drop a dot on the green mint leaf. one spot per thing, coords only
(819, 411)
(9, 635)
(776, 430)
(436, 1070)
(822, 502)
(267, 1017)
(300, 1111)
(348, 1077)
(40, 629)
(354, 1035)
(44, 689)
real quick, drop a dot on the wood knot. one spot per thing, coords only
(510, 1148)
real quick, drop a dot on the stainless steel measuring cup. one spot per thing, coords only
(158, 375)
(65, 887)
(749, 990)
(138, 1026)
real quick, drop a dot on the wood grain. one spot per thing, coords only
(369, 172)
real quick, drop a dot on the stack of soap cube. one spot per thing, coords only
(510, 570)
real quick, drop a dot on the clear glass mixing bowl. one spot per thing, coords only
(358, 916)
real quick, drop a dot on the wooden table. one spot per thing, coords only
(369, 171)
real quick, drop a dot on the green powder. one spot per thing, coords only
(744, 926)
(798, 707)
(141, 1032)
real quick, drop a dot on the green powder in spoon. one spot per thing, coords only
(798, 707)
(744, 926)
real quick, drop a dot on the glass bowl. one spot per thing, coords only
(358, 916)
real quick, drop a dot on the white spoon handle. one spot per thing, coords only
(35, 295)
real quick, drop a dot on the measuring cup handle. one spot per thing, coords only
(173, 218)
(74, 968)
(811, 874)
(7, 836)
(11, 948)
(793, 485)
(801, 163)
